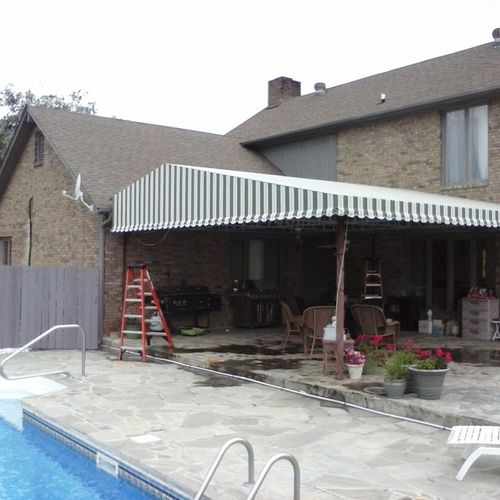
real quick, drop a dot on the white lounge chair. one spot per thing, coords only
(479, 440)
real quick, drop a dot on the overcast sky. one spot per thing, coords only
(205, 64)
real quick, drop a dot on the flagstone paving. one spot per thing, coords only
(187, 416)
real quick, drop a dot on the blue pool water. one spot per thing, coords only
(33, 465)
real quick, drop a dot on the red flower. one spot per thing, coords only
(376, 339)
(439, 352)
(425, 353)
(448, 357)
(391, 347)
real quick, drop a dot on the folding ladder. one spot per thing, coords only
(140, 305)
(372, 288)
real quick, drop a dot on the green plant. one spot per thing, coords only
(432, 360)
(407, 357)
(396, 366)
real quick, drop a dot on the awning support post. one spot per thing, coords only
(340, 302)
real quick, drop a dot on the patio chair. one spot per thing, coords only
(314, 320)
(479, 440)
(372, 321)
(292, 325)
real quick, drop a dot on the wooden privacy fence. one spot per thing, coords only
(33, 299)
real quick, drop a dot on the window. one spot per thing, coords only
(466, 145)
(39, 148)
(255, 262)
(5, 250)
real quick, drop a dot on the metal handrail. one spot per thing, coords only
(29, 344)
(267, 467)
(218, 458)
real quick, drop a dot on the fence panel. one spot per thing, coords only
(33, 299)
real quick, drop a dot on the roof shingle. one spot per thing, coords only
(112, 153)
(462, 74)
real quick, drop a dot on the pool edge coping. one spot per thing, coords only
(134, 475)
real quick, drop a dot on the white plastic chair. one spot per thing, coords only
(473, 436)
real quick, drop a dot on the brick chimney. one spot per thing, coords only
(280, 89)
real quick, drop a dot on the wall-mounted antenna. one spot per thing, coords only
(78, 196)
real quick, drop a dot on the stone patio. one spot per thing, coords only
(343, 453)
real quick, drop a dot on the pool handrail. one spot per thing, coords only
(267, 468)
(218, 458)
(34, 341)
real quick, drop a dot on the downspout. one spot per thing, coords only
(106, 219)
(30, 229)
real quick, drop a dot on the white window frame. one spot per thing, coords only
(465, 174)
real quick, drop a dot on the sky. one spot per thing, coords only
(204, 64)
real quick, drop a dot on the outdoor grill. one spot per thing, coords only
(188, 299)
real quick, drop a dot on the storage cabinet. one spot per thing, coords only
(476, 317)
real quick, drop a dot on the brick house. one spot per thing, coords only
(432, 127)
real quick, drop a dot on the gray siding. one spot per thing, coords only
(33, 299)
(313, 158)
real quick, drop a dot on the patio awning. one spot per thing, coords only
(176, 196)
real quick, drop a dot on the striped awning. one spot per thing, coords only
(176, 196)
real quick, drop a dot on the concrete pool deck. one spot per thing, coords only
(187, 416)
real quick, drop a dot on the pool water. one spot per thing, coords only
(33, 465)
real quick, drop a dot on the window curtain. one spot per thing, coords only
(466, 145)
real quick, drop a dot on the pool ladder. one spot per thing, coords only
(251, 469)
(34, 341)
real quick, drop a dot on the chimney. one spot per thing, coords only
(280, 89)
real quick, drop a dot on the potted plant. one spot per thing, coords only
(429, 372)
(354, 361)
(395, 374)
(371, 346)
(408, 358)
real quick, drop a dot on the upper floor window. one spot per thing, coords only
(5, 251)
(39, 148)
(466, 145)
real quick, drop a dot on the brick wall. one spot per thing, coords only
(406, 153)
(186, 257)
(64, 232)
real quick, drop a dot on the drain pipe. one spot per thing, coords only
(286, 389)
(106, 219)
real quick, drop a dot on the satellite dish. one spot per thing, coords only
(78, 188)
(78, 196)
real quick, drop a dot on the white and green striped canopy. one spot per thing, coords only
(175, 196)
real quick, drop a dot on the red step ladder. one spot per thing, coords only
(140, 304)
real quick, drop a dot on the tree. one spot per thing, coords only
(15, 102)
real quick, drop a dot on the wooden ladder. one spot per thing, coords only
(140, 305)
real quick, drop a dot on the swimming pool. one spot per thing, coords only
(40, 460)
(33, 465)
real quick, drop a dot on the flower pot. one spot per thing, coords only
(395, 388)
(410, 382)
(428, 383)
(355, 371)
(370, 366)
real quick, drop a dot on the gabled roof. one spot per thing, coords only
(468, 74)
(111, 153)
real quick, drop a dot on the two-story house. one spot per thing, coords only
(410, 157)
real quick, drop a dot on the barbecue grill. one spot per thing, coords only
(188, 299)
